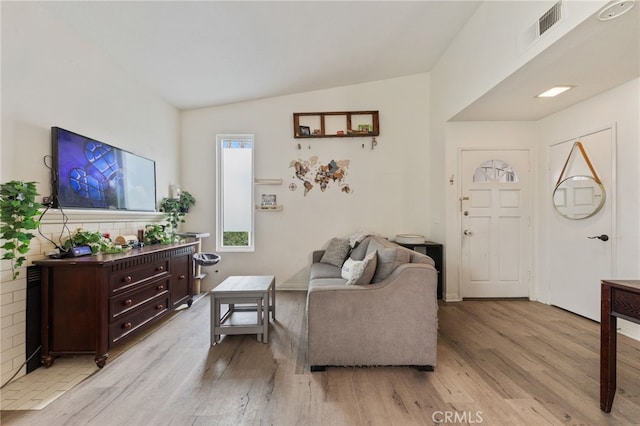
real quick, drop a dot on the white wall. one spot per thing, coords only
(390, 183)
(51, 78)
(619, 106)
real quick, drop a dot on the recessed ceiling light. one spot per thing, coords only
(554, 91)
(615, 9)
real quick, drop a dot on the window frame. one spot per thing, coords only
(220, 193)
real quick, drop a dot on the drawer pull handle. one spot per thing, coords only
(127, 302)
(127, 279)
(126, 326)
(182, 277)
(160, 287)
(160, 268)
(158, 307)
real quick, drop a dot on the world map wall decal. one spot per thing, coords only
(312, 172)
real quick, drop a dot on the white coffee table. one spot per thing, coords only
(259, 291)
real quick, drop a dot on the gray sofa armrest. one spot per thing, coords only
(393, 322)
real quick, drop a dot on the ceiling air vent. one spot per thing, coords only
(550, 18)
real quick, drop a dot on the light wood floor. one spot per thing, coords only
(499, 363)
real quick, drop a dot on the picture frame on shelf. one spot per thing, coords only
(268, 200)
(304, 130)
(364, 128)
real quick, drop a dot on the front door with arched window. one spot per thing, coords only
(495, 223)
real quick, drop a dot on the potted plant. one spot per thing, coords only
(18, 209)
(186, 200)
(98, 242)
(175, 209)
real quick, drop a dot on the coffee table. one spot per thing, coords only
(258, 291)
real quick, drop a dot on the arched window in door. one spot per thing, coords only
(495, 171)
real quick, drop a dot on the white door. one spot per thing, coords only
(495, 223)
(577, 263)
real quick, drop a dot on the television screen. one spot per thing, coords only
(92, 174)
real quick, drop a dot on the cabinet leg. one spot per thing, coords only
(101, 360)
(47, 360)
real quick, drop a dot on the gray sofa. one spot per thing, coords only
(392, 320)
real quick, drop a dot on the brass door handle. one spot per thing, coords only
(467, 232)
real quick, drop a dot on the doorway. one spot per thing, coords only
(578, 254)
(495, 223)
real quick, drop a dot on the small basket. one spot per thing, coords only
(206, 259)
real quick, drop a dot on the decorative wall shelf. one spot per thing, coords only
(267, 181)
(270, 205)
(345, 124)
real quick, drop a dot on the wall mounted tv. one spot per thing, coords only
(89, 174)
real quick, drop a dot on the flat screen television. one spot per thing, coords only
(89, 174)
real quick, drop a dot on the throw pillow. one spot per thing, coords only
(336, 252)
(388, 260)
(360, 250)
(352, 269)
(359, 272)
(371, 261)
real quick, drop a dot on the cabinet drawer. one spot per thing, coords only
(127, 278)
(138, 318)
(625, 303)
(125, 303)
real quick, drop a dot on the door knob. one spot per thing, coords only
(467, 232)
(603, 237)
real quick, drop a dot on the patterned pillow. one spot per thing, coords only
(336, 252)
(359, 272)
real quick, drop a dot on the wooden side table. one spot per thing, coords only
(620, 299)
(257, 290)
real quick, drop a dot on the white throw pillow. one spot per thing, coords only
(353, 270)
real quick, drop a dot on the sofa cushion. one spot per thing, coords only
(324, 270)
(360, 250)
(359, 272)
(337, 252)
(388, 260)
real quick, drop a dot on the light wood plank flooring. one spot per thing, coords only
(499, 363)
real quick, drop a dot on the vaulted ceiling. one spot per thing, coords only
(213, 52)
(196, 54)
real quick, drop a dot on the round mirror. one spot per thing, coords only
(578, 197)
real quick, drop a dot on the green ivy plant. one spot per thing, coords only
(175, 209)
(97, 241)
(186, 200)
(18, 208)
